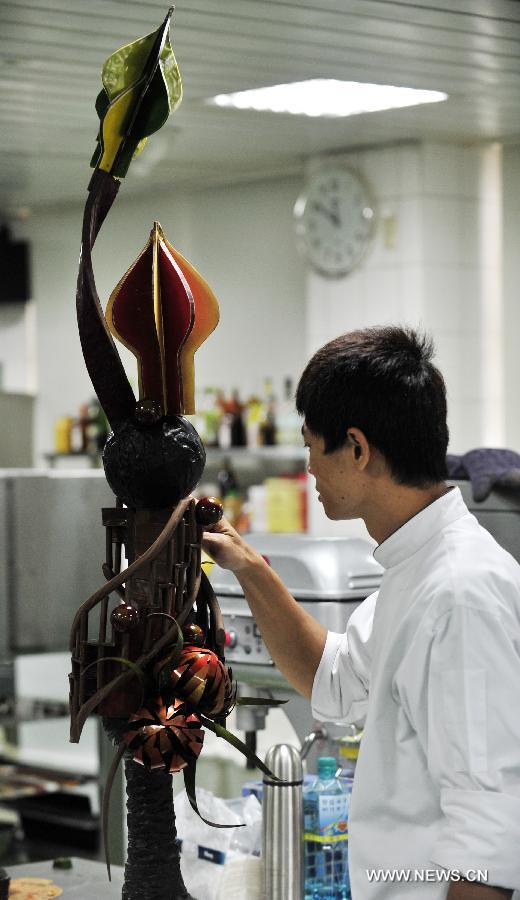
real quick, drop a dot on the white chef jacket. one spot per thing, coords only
(436, 653)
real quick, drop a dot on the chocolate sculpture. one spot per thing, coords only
(148, 646)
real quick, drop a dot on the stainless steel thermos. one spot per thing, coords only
(282, 825)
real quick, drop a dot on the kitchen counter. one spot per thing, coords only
(86, 879)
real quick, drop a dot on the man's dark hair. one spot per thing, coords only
(382, 381)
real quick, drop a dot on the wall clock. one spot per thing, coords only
(335, 219)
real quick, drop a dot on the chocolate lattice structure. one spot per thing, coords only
(163, 580)
(164, 588)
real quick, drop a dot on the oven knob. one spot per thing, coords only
(231, 639)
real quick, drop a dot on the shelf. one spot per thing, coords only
(93, 458)
(280, 451)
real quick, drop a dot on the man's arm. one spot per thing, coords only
(474, 890)
(294, 639)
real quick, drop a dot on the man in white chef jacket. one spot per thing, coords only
(435, 810)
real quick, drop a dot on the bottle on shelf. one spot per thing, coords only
(210, 415)
(227, 480)
(325, 810)
(237, 426)
(268, 422)
(289, 424)
(224, 421)
(63, 434)
(231, 496)
(285, 499)
(253, 416)
(231, 428)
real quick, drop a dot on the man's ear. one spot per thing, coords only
(360, 446)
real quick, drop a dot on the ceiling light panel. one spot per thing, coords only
(326, 97)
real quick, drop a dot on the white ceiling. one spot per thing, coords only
(51, 52)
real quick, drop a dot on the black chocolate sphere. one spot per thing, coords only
(193, 635)
(124, 618)
(154, 465)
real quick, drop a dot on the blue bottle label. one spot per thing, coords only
(332, 819)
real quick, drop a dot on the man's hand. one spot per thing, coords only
(294, 639)
(476, 890)
(227, 548)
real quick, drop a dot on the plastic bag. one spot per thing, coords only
(220, 862)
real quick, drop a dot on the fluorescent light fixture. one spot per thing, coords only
(327, 97)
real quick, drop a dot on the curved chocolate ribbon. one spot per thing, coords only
(99, 350)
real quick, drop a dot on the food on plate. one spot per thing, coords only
(33, 889)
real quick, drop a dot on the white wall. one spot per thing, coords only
(440, 271)
(438, 274)
(18, 347)
(240, 238)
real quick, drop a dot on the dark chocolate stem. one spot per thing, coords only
(99, 350)
(152, 870)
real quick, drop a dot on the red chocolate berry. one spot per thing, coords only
(208, 511)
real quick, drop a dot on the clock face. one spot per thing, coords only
(334, 221)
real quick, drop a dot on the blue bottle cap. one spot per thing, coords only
(327, 766)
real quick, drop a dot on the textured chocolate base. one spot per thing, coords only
(152, 870)
(155, 465)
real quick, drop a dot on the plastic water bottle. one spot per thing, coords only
(325, 812)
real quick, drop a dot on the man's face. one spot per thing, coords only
(337, 480)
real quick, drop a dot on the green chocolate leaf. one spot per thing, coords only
(258, 701)
(125, 67)
(102, 103)
(154, 109)
(173, 658)
(119, 659)
(96, 156)
(141, 87)
(124, 158)
(235, 742)
(107, 789)
(130, 665)
(172, 76)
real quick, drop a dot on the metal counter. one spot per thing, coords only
(86, 879)
(52, 545)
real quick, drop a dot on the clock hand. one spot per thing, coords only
(328, 213)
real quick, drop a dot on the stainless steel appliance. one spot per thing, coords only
(51, 548)
(499, 513)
